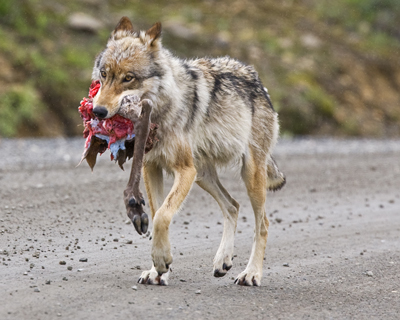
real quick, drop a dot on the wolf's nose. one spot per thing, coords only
(100, 112)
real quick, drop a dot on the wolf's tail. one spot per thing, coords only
(276, 179)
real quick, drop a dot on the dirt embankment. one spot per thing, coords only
(332, 68)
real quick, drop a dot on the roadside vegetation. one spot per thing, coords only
(332, 67)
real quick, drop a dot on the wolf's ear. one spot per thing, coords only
(124, 24)
(123, 28)
(154, 33)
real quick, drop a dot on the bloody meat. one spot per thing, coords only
(103, 134)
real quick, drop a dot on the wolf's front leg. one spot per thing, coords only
(185, 174)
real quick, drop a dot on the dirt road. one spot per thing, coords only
(333, 249)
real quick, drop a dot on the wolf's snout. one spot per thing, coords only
(100, 112)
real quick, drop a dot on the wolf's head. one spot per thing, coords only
(128, 66)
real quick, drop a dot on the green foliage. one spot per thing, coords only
(52, 63)
(19, 105)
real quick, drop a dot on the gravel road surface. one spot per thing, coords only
(67, 250)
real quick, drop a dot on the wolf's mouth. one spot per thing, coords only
(115, 133)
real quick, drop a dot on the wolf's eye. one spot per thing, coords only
(103, 74)
(128, 78)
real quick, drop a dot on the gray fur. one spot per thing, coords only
(217, 107)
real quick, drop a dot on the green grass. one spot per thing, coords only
(52, 63)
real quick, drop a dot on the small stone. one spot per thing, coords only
(83, 260)
(182, 280)
(286, 264)
(186, 222)
(134, 288)
(279, 220)
(369, 273)
(83, 22)
(31, 265)
(112, 305)
(62, 263)
(48, 282)
(116, 240)
(198, 292)
(131, 302)
(80, 270)
(129, 242)
(69, 268)
(65, 279)
(36, 290)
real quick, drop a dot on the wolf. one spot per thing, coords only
(211, 112)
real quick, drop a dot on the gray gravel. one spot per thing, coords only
(333, 247)
(48, 152)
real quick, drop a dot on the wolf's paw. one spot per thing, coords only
(162, 259)
(222, 266)
(249, 278)
(151, 277)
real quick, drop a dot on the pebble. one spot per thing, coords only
(286, 264)
(62, 263)
(65, 279)
(83, 260)
(198, 292)
(48, 282)
(369, 273)
(129, 242)
(134, 288)
(80, 270)
(116, 240)
(69, 268)
(37, 290)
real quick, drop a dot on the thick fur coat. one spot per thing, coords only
(211, 113)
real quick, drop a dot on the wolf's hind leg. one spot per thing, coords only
(209, 181)
(254, 174)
